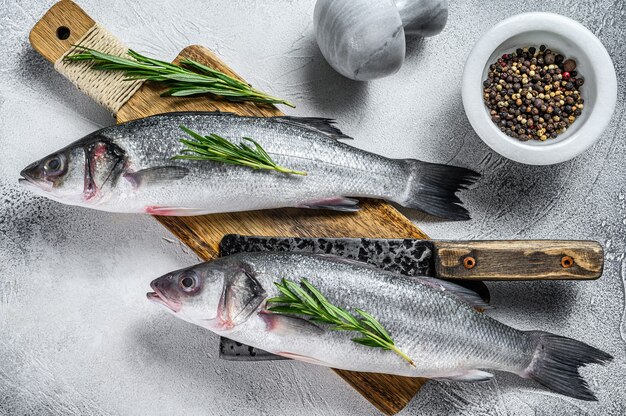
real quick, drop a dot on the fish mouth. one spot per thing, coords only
(159, 298)
(25, 182)
(28, 181)
(36, 186)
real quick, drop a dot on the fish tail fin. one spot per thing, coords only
(432, 188)
(556, 361)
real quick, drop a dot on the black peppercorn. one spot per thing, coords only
(569, 65)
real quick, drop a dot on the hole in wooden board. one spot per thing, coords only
(63, 32)
(469, 262)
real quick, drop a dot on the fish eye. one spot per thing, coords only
(187, 282)
(54, 165)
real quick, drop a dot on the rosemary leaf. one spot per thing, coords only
(373, 323)
(218, 149)
(188, 78)
(305, 299)
(367, 342)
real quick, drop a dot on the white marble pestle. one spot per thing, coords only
(365, 39)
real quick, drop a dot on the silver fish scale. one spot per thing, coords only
(333, 168)
(440, 332)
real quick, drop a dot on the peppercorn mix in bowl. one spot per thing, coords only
(533, 93)
(520, 95)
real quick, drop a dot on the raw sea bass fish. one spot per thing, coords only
(432, 321)
(129, 168)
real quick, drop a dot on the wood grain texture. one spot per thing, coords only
(377, 219)
(519, 260)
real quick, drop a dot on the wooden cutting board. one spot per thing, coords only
(66, 23)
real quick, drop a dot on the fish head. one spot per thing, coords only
(217, 295)
(80, 174)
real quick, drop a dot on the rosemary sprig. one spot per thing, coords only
(307, 300)
(188, 78)
(218, 149)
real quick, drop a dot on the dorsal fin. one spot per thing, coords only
(467, 295)
(319, 124)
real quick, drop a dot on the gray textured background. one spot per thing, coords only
(77, 335)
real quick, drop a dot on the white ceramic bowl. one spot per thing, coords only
(564, 36)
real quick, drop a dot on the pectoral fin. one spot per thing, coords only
(159, 174)
(289, 325)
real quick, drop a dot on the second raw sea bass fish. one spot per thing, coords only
(129, 168)
(432, 321)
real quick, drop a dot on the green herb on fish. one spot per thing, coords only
(218, 149)
(188, 78)
(307, 300)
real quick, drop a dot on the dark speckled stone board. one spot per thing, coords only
(405, 256)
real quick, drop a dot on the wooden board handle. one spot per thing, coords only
(63, 25)
(518, 260)
(59, 33)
